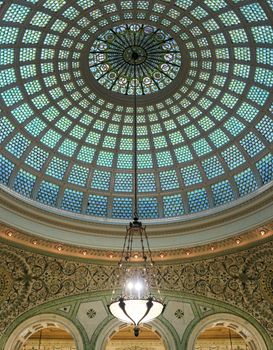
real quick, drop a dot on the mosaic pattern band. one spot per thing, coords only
(205, 142)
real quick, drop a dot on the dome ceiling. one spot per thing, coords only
(204, 137)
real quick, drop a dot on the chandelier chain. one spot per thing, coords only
(136, 303)
(142, 248)
(123, 249)
(148, 247)
(135, 142)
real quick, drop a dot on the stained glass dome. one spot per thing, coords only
(204, 140)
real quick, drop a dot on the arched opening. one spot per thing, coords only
(231, 325)
(124, 338)
(114, 326)
(36, 333)
(221, 338)
(50, 338)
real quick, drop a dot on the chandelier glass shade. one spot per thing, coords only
(136, 310)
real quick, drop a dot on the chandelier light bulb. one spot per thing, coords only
(138, 286)
(130, 285)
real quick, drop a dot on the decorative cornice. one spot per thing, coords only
(221, 247)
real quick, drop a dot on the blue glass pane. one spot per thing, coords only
(78, 175)
(222, 192)
(147, 208)
(57, 168)
(6, 168)
(101, 180)
(191, 175)
(233, 157)
(246, 182)
(198, 200)
(265, 167)
(72, 200)
(123, 182)
(122, 208)
(173, 205)
(37, 158)
(18, 145)
(5, 128)
(265, 126)
(47, 193)
(97, 205)
(168, 180)
(252, 144)
(212, 167)
(146, 182)
(24, 183)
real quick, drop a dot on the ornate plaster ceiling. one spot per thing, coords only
(205, 140)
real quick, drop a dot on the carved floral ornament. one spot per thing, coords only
(179, 313)
(242, 279)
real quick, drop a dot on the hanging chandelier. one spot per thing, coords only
(136, 304)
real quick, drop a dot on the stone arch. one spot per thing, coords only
(244, 328)
(114, 326)
(30, 326)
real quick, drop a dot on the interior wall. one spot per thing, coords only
(33, 283)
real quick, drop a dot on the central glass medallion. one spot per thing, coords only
(114, 53)
(135, 55)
